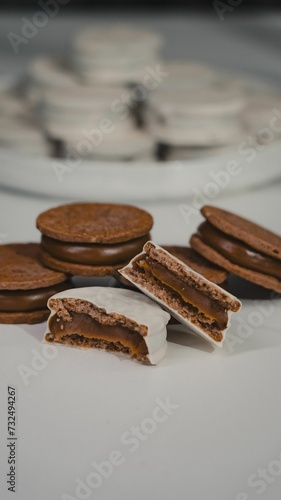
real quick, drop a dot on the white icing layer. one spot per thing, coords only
(130, 304)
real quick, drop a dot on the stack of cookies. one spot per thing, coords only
(84, 120)
(196, 111)
(87, 107)
(113, 98)
(65, 113)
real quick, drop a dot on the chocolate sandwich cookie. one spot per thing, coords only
(25, 284)
(240, 246)
(192, 259)
(109, 318)
(189, 297)
(92, 239)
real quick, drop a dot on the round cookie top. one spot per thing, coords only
(22, 270)
(255, 236)
(94, 223)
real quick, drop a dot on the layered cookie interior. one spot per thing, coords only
(187, 295)
(108, 318)
(92, 239)
(29, 300)
(238, 252)
(26, 285)
(239, 246)
(92, 253)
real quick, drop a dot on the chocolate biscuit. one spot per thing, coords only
(189, 297)
(107, 318)
(92, 239)
(192, 259)
(25, 284)
(240, 246)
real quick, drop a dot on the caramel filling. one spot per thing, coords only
(29, 300)
(92, 253)
(188, 294)
(82, 329)
(238, 252)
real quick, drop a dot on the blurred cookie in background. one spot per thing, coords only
(115, 54)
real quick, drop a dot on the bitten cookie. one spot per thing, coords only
(190, 258)
(240, 246)
(25, 284)
(109, 318)
(193, 300)
(92, 239)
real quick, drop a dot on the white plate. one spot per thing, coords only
(132, 182)
(118, 181)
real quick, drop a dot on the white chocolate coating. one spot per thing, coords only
(132, 305)
(173, 311)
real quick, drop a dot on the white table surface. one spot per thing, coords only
(220, 440)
